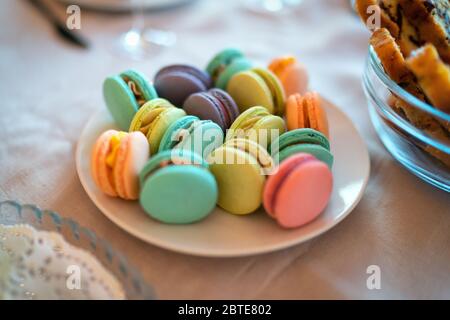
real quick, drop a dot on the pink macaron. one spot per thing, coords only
(117, 158)
(299, 191)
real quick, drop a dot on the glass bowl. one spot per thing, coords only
(409, 141)
(134, 286)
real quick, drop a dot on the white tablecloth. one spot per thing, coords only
(49, 89)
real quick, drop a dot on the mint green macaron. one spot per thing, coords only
(302, 141)
(191, 133)
(124, 94)
(177, 187)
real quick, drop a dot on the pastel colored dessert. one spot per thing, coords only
(177, 187)
(306, 112)
(292, 74)
(239, 167)
(302, 141)
(191, 133)
(124, 94)
(299, 191)
(215, 105)
(257, 124)
(177, 82)
(117, 158)
(35, 265)
(257, 87)
(225, 65)
(153, 119)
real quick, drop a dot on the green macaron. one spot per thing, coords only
(302, 141)
(125, 93)
(191, 133)
(258, 125)
(177, 187)
(225, 65)
(153, 119)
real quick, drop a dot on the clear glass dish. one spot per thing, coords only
(134, 286)
(411, 143)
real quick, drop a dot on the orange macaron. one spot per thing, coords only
(306, 112)
(291, 73)
(117, 158)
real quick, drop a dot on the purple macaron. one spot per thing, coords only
(215, 105)
(176, 82)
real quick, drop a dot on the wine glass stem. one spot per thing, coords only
(138, 15)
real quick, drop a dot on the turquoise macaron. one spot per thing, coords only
(124, 94)
(191, 133)
(302, 141)
(177, 187)
(225, 64)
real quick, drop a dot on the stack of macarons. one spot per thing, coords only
(235, 135)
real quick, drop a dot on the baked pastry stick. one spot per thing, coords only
(396, 68)
(431, 20)
(433, 76)
(363, 8)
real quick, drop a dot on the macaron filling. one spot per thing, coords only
(137, 93)
(254, 153)
(150, 119)
(111, 157)
(223, 113)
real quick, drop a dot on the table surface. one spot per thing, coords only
(50, 89)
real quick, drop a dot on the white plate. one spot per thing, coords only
(225, 235)
(126, 5)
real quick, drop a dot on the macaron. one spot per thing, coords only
(177, 187)
(124, 94)
(240, 167)
(177, 82)
(306, 112)
(191, 133)
(257, 87)
(153, 119)
(299, 191)
(116, 160)
(257, 124)
(225, 65)
(292, 74)
(215, 105)
(302, 141)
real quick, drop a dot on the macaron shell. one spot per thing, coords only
(274, 181)
(238, 65)
(164, 195)
(120, 101)
(204, 139)
(303, 194)
(101, 173)
(131, 157)
(301, 136)
(177, 86)
(201, 106)
(275, 87)
(222, 59)
(319, 152)
(293, 110)
(294, 79)
(317, 116)
(183, 123)
(162, 122)
(240, 183)
(268, 129)
(248, 89)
